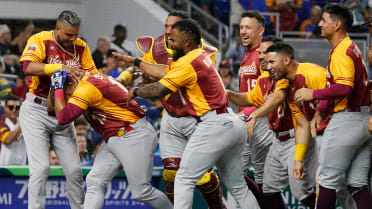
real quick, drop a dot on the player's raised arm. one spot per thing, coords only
(65, 112)
(154, 70)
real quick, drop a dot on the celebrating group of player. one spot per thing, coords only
(310, 110)
(297, 111)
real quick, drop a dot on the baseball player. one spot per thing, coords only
(126, 132)
(45, 53)
(279, 164)
(252, 26)
(347, 95)
(219, 135)
(176, 125)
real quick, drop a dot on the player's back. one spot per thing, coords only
(346, 66)
(106, 102)
(205, 89)
(310, 76)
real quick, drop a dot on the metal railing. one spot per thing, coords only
(277, 18)
(9, 76)
(316, 50)
(221, 39)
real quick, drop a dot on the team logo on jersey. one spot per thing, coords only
(32, 48)
(249, 69)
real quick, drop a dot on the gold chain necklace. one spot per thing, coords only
(65, 51)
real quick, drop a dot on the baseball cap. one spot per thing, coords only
(118, 28)
(225, 63)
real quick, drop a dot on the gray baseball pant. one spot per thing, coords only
(279, 169)
(174, 134)
(342, 193)
(256, 148)
(217, 140)
(344, 149)
(39, 130)
(134, 153)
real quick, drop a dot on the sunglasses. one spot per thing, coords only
(11, 107)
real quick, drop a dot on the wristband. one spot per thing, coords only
(135, 91)
(58, 94)
(137, 62)
(51, 68)
(126, 77)
(300, 152)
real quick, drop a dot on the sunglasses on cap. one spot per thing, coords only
(12, 107)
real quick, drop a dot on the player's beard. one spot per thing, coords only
(178, 53)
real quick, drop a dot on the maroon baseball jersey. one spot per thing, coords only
(105, 102)
(158, 52)
(310, 76)
(249, 71)
(42, 48)
(281, 119)
(196, 76)
(346, 66)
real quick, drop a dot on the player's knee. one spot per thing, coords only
(94, 183)
(73, 171)
(142, 192)
(208, 183)
(42, 170)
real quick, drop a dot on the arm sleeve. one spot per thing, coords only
(282, 84)
(69, 113)
(255, 96)
(34, 50)
(343, 70)
(322, 106)
(335, 91)
(25, 65)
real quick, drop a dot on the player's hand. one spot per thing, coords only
(124, 59)
(298, 170)
(250, 125)
(74, 73)
(303, 95)
(370, 125)
(315, 123)
(130, 95)
(58, 79)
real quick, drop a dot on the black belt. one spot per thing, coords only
(40, 101)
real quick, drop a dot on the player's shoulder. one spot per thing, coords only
(342, 48)
(43, 35)
(210, 50)
(310, 69)
(81, 42)
(144, 43)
